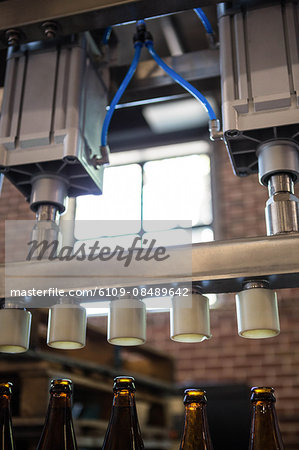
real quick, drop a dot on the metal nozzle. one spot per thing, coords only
(282, 207)
(46, 212)
(216, 134)
(257, 311)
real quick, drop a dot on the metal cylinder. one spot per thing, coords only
(67, 223)
(45, 233)
(46, 212)
(280, 156)
(15, 325)
(67, 326)
(126, 322)
(190, 318)
(48, 190)
(282, 208)
(257, 312)
(281, 182)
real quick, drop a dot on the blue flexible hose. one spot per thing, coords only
(119, 93)
(180, 80)
(205, 21)
(107, 34)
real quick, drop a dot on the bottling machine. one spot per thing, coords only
(53, 113)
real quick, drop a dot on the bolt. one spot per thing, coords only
(256, 284)
(232, 133)
(70, 159)
(13, 37)
(49, 30)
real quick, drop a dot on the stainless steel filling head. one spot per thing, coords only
(257, 313)
(126, 322)
(190, 318)
(279, 156)
(48, 189)
(15, 326)
(67, 326)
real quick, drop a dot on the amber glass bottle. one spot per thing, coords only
(6, 439)
(58, 432)
(196, 435)
(123, 431)
(264, 432)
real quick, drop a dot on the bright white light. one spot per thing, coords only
(176, 115)
(157, 304)
(119, 205)
(155, 153)
(96, 308)
(167, 238)
(153, 304)
(176, 194)
(178, 189)
(202, 235)
(212, 299)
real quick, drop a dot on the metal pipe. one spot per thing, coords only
(46, 212)
(217, 267)
(281, 182)
(171, 36)
(282, 207)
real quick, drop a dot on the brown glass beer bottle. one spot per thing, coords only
(123, 431)
(6, 439)
(264, 432)
(196, 435)
(58, 432)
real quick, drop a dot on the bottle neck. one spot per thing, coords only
(59, 410)
(6, 434)
(196, 434)
(123, 430)
(58, 430)
(5, 402)
(124, 398)
(61, 400)
(265, 431)
(4, 407)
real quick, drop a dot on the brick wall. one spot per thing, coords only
(12, 207)
(226, 357)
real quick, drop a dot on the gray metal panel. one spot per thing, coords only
(95, 106)
(38, 93)
(267, 57)
(259, 47)
(228, 91)
(75, 16)
(241, 63)
(226, 59)
(16, 90)
(74, 80)
(8, 100)
(46, 101)
(292, 19)
(61, 90)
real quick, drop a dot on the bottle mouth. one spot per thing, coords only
(194, 396)
(61, 385)
(6, 388)
(262, 393)
(124, 383)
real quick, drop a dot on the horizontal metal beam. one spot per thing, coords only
(217, 267)
(75, 16)
(223, 266)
